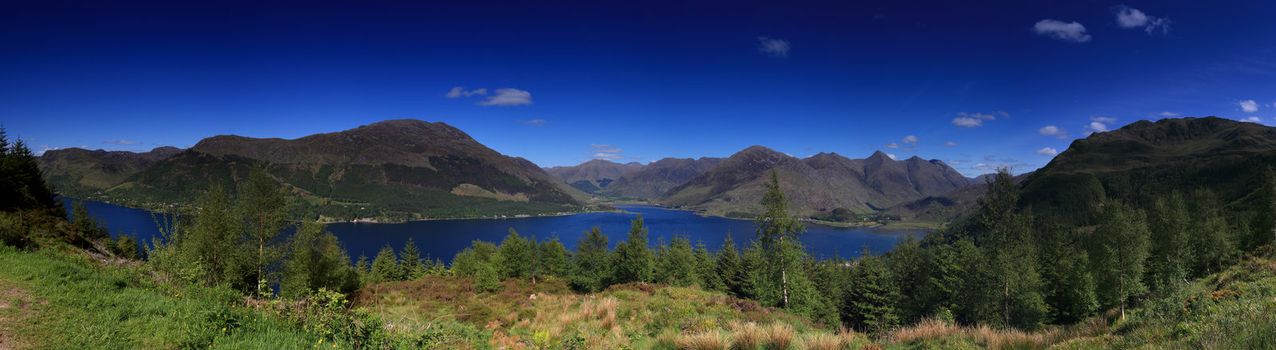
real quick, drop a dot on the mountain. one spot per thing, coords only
(818, 184)
(396, 168)
(1147, 158)
(593, 175)
(656, 178)
(81, 170)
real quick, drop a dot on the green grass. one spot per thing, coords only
(61, 300)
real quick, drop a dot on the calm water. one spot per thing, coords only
(444, 238)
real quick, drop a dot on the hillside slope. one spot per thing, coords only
(397, 168)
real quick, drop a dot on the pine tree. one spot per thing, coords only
(362, 268)
(869, 303)
(411, 257)
(1169, 254)
(728, 267)
(1011, 254)
(677, 264)
(591, 262)
(633, 260)
(1067, 283)
(977, 289)
(517, 256)
(553, 259)
(1119, 250)
(385, 267)
(706, 269)
(84, 225)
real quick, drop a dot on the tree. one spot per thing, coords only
(1119, 250)
(677, 264)
(977, 289)
(706, 269)
(362, 267)
(869, 303)
(1169, 255)
(517, 256)
(214, 242)
(590, 263)
(316, 260)
(1067, 284)
(411, 257)
(264, 206)
(84, 225)
(385, 266)
(480, 262)
(22, 185)
(633, 259)
(552, 259)
(1010, 254)
(728, 268)
(776, 229)
(1211, 240)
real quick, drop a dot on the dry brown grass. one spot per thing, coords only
(989, 337)
(822, 341)
(747, 336)
(926, 329)
(704, 341)
(779, 336)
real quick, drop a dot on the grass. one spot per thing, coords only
(56, 300)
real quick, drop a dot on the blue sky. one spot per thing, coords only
(976, 84)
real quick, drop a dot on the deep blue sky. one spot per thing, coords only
(636, 80)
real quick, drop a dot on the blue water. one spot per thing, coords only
(444, 238)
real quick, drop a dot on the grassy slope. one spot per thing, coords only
(64, 301)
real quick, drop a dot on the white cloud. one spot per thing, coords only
(950, 144)
(605, 151)
(972, 120)
(1129, 17)
(1102, 119)
(535, 122)
(1252, 119)
(1248, 106)
(1054, 131)
(460, 91)
(1048, 151)
(1094, 127)
(910, 139)
(1074, 32)
(1169, 114)
(892, 155)
(773, 47)
(892, 145)
(508, 97)
(122, 142)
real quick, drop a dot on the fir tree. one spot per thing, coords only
(553, 259)
(870, 301)
(728, 268)
(776, 231)
(385, 266)
(411, 257)
(590, 263)
(517, 256)
(706, 269)
(1169, 254)
(633, 260)
(1211, 240)
(263, 206)
(677, 264)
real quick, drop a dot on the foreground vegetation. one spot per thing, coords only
(1165, 275)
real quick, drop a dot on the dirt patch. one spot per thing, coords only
(15, 303)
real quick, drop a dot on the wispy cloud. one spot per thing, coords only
(1073, 32)
(1053, 131)
(1047, 151)
(910, 139)
(1099, 124)
(974, 120)
(606, 152)
(535, 122)
(950, 144)
(508, 97)
(892, 145)
(1169, 114)
(122, 142)
(460, 91)
(1248, 106)
(1129, 17)
(773, 47)
(1253, 119)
